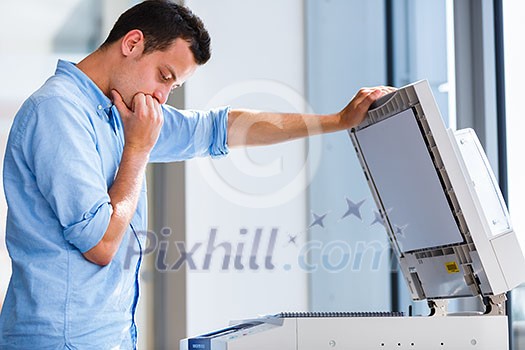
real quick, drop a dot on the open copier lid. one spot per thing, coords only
(439, 200)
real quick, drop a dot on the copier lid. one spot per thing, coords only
(445, 216)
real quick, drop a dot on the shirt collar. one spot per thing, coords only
(86, 85)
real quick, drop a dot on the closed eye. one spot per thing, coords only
(176, 86)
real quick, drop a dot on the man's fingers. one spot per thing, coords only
(385, 89)
(117, 99)
(367, 101)
(365, 97)
(154, 106)
(151, 101)
(119, 102)
(355, 111)
(139, 102)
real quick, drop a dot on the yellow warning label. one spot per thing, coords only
(452, 267)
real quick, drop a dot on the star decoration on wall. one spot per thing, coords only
(400, 230)
(318, 220)
(291, 239)
(353, 208)
(379, 218)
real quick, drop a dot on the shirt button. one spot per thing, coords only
(99, 107)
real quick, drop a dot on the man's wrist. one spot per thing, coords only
(137, 151)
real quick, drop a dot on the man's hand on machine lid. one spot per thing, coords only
(354, 113)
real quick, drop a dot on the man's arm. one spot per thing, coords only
(142, 125)
(250, 128)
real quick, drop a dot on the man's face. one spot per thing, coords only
(156, 73)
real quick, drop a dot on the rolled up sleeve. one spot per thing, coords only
(60, 147)
(190, 133)
(86, 233)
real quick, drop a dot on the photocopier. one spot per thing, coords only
(448, 226)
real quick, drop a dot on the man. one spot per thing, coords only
(74, 174)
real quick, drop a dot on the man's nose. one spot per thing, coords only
(161, 95)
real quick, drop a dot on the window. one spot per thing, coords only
(514, 75)
(349, 257)
(420, 38)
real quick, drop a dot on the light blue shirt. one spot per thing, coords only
(62, 156)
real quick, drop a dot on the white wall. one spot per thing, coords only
(257, 62)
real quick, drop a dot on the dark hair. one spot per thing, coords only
(161, 22)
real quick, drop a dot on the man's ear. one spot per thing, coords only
(132, 43)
